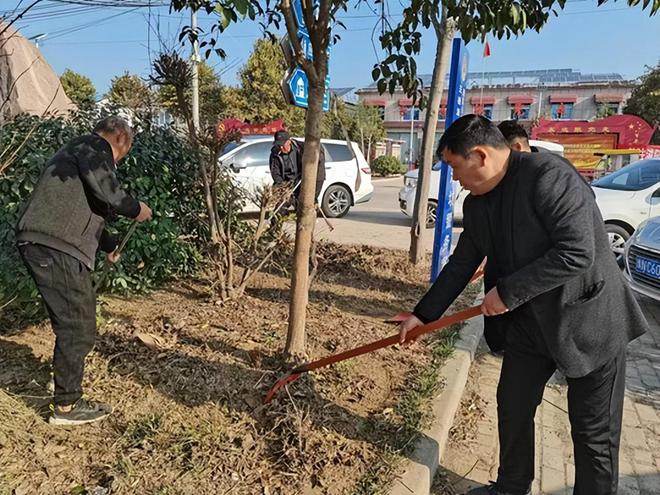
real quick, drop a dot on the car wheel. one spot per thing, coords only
(431, 214)
(618, 237)
(336, 201)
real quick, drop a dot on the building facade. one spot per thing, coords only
(560, 94)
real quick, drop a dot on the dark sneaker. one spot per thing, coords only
(82, 412)
(492, 490)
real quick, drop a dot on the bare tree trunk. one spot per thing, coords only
(362, 141)
(295, 342)
(444, 30)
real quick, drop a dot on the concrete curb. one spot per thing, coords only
(420, 469)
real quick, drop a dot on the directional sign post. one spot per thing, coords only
(444, 218)
(295, 84)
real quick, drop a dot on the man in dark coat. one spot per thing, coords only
(58, 234)
(557, 292)
(286, 164)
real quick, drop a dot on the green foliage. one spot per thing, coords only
(131, 92)
(474, 19)
(362, 123)
(259, 98)
(387, 165)
(16, 287)
(159, 170)
(645, 99)
(78, 88)
(211, 96)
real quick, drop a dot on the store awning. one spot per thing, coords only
(521, 99)
(608, 98)
(559, 98)
(485, 100)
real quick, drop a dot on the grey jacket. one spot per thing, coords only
(551, 263)
(77, 191)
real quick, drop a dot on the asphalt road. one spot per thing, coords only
(378, 222)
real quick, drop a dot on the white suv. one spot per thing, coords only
(347, 175)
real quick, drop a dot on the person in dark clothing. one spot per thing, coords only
(557, 291)
(286, 164)
(516, 136)
(58, 234)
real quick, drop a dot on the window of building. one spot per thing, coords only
(611, 108)
(559, 111)
(520, 111)
(410, 113)
(486, 110)
(442, 113)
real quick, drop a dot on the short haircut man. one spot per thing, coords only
(58, 234)
(553, 290)
(516, 135)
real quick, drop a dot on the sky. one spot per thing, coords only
(103, 42)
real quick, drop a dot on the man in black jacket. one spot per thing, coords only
(58, 234)
(286, 164)
(556, 290)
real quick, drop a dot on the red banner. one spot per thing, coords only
(245, 129)
(631, 132)
(650, 151)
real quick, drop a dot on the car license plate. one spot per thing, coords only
(647, 267)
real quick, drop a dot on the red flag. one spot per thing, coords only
(487, 49)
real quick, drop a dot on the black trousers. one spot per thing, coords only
(65, 285)
(595, 406)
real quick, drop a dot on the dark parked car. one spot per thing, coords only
(643, 258)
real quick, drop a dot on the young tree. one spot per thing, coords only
(211, 96)
(131, 92)
(319, 20)
(79, 88)
(473, 19)
(260, 97)
(645, 99)
(367, 128)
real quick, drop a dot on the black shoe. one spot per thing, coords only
(493, 490)
(82, 412)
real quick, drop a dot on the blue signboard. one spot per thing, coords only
(299, 87)
(300, 18)
(297, 83)
(445, 210)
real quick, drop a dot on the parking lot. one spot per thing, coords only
(378, 222)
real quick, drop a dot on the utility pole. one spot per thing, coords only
(195, 71)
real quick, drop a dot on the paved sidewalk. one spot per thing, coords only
(473, 447)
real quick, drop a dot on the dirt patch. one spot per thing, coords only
(187, 378)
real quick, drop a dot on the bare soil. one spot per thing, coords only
(187, 377)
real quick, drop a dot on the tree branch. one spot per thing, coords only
(18, 17)
(292, 31)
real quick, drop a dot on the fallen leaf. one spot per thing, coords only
(153, 342)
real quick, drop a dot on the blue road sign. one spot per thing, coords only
(445, 210)
(297, 82)
(300, 18)
(299, 87)
(306, 45)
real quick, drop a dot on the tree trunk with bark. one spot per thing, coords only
(306, 220)
(444, 29)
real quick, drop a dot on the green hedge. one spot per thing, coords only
(159, 170)
(387, 165)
